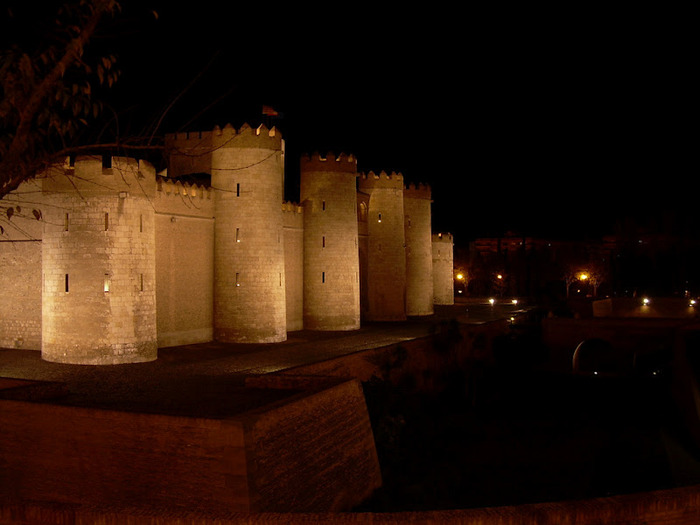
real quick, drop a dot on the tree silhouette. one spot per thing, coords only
(48, 85)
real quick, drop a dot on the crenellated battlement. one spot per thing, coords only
(330, 162)
(421, 191)
(247, 137)
(208, 249)
(99, 174)
(176, 187)
(205, 142)
(101, 164)
(372, 180)
(292, 216)
(443, 237)
(292, 207)
(188, 139)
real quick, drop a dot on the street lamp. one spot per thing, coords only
(463, 281)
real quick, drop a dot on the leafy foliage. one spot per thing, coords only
(48, 84)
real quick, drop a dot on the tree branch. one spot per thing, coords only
(12, 168)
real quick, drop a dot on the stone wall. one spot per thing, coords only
(419, 252)
(98, 262)
(443, 269)
(426, 362)
(87, 456)
(679, 506)
(249, 288)
(293, 220)
(312, 451)
(331, 265)
(20, 271)
(121, 263)
(184, 221)
(386, 253)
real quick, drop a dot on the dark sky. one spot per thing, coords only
(541, 122)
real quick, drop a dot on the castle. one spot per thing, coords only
(123, 260)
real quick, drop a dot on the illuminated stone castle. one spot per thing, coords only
(123, 261)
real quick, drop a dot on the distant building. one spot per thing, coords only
(629, 262)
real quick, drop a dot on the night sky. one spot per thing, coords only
(540, 122)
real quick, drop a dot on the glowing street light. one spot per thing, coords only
(491, 301)
(463, 280)
(645, 301)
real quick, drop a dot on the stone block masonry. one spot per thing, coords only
(311, 451)
(331, 253)
(184, 220)
(98, 262)
(293, 221)
(249, 287)
(419, 252)
(20, 271)
(122, 261)
(386, 249)
(443, 269)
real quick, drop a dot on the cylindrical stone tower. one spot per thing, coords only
(443, 268)
(331, 259)
(386, 252)
(419, 250)
(247, 177)
(98, 262)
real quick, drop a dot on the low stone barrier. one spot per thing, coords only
(310, 451)
(679, 506)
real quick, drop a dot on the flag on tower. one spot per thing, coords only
(269, 111)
